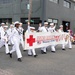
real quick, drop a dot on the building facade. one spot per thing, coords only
(16, 10)
(61, 12)
(57, 11)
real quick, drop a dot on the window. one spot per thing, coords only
(50, 20)
(5, 20)
(5, 1)
(55, 1)
(67, 4)
(33, 20)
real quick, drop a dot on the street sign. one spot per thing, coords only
(28, 6)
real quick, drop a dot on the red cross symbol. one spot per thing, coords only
(31, 40)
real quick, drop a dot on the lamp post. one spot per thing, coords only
(43, 11)
(30, 10)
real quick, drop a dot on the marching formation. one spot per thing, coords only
(13, 36)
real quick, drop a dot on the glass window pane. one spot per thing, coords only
(5, 1)
(66, 4)
(55, 21)
(55, 1)
(49, 20)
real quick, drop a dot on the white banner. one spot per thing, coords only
(44, 39)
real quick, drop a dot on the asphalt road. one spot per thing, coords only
(59, 63)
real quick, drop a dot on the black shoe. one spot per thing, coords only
(35, 55)
(53, 51)
(19, 59)
(24, 50)
(42, 52)
(45, 53)
(10, 54)
(9, 45)
(63, 49)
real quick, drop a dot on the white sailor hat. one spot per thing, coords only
(17, 22)
(21, 23)
(2, 23)
(11, 25)
(61, 26)
(51, 24)
(45, 23)
(5, 26)
(32, 28)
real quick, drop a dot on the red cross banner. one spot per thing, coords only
(44, 39)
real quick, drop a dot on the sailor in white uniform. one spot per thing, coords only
(16, 40)
(60, 30)
(39, 28)
(4, 38)
(21, 36)
(2, 24)
(31, 51)
(44, 29)
(69, 41)
(51, 29)
(1, 27)
(9, 32)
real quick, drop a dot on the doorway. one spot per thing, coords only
(66, 25)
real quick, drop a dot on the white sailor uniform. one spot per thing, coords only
(44, 29)
(16, 41)
(69, 41)
(9, 32)
(63, 45)
(31, 51)
(51, 30)
(4, 39)
(21, 37)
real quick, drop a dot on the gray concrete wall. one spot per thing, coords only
(10, 10)
(6, 10)
(58, 11)
(36, 8)
(18, 9)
